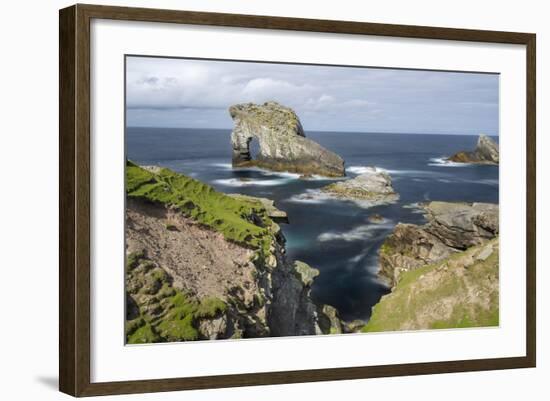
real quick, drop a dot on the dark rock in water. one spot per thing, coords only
(486, 152)
(451, 227)
(354, 326)
(374, 186)
(376, 219)
(329, 320)
(283, 144)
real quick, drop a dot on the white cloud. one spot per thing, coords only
(331, 98)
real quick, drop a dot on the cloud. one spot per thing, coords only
(160, 90)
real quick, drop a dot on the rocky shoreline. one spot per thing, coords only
(203, 265)
(443, 274)
(452, 227)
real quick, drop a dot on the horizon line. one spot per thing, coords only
(325, 131)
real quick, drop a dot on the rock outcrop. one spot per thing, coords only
(486, 152)
(282, 142)
(275, 214)
(461, 290)
(451, 227)
(374, 186)
(204, 265)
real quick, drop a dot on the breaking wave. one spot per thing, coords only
(444, 162)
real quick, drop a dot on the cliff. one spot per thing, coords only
(283, 144)
(451, 227)
(462, 290)
(204, 265)
(486, 152)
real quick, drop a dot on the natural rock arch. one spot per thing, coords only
(282, 142)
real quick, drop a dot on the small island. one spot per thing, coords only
(374, 186)
(486, 152)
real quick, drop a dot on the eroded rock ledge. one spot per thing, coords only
(486, 152)
(451, 227)
(282, 142)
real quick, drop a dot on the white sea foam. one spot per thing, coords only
(416, 208)
(360, 233)
(311, 196)
(284, 174)
(444, 162)
(359, 169)
(224, 166)
(317, 197)
(235, 182)
(366, 169)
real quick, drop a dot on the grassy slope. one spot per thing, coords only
(243, 222)
(443, 295)
(163, 312)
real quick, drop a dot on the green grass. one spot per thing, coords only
(210, 307)
(410, 298)
(165, 313)
(143, 335)
(243, 222)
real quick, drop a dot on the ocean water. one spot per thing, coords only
(334, 236)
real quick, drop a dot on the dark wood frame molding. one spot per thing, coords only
(74, 199)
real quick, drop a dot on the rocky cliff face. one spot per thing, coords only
(374, 186)
(283, 144)
(451, 228)
(461, 290)
(203, 265)
(486, 152)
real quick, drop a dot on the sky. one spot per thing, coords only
(191, 93)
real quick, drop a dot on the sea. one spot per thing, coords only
(334, 236)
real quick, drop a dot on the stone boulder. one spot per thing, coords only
(486, 152)
(283, 145)
(374, 185)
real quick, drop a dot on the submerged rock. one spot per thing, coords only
(374, 185)
(452, 227)
(486, 152)
(282, 142)
(376, 219)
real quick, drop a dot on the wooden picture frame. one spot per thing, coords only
(74, 199)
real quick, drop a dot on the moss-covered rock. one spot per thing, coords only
(159, 312)
(459, 291)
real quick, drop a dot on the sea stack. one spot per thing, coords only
(282, 142)
(486, 152)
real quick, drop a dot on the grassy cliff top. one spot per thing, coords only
(244, 222)
(460, 291)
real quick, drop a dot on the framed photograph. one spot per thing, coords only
(250, 200)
